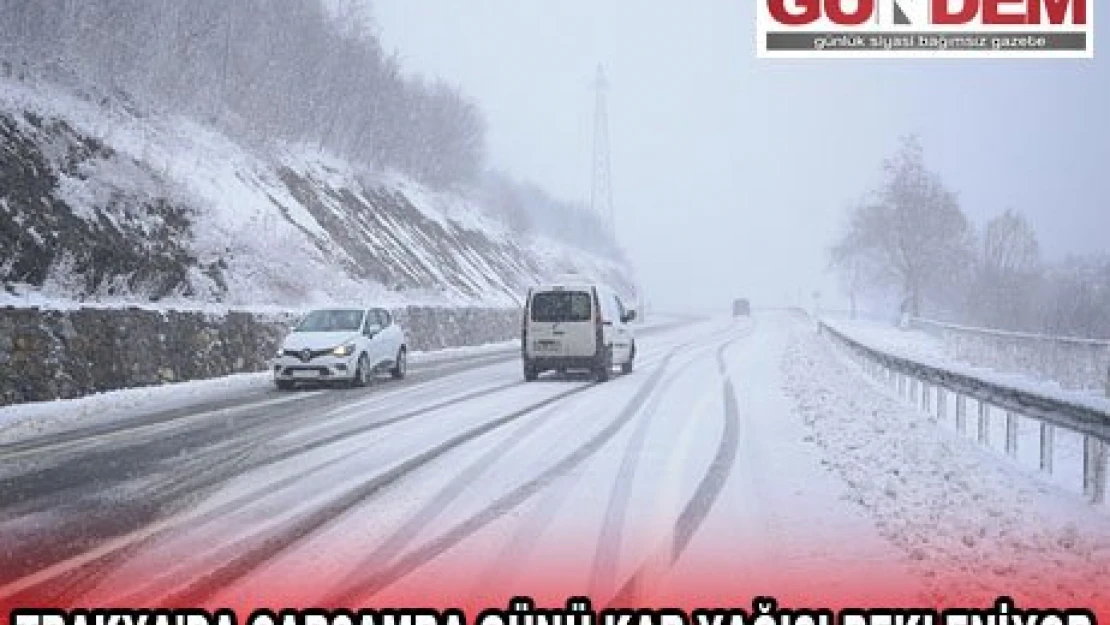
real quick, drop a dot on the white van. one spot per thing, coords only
(576, 326)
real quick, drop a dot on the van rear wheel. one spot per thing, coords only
(530, 372)
(604, 368)
(626, 368)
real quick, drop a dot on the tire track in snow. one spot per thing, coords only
(699, 505)
(218, 472)
(525, 540)
(129, 431)
(610, 538)
(455, 489)
(69, 580)
(365, 587)
(83, 438)
(249, 559)
(75, 575)
(451, 492)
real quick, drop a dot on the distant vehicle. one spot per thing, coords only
(348, 346)
(741, 308)
(576, 326)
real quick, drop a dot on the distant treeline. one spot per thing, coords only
(296, 70)
(911, 239)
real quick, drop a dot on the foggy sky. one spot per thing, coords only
(732, 174)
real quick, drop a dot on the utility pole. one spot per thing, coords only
(601, 194)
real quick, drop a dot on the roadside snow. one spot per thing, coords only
(974, 526)
(29, 420)
(453, 353)
(924, 349)
(887, 337)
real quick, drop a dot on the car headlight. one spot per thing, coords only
(343, 351)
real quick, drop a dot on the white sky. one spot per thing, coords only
(731, 174)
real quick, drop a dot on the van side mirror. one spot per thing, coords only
(629, 316)
(372, 330)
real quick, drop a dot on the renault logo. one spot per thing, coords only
(306, 355)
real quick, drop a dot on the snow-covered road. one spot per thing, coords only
(742, 457)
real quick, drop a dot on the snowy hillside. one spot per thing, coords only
(99, 203)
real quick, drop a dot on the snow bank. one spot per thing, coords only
(926, 349)
(1075, 363)
(975, 526)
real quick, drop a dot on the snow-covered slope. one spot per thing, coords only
(101, 203)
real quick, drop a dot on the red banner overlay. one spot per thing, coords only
(575, 611)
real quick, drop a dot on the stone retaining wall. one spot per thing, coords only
(62, 354)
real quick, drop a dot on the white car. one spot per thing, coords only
(576, 326)
(341, 345)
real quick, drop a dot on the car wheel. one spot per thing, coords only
(401, 367)
(362, 372)
(285, 385)
(530, 372)
(626, 368)
(604, 368)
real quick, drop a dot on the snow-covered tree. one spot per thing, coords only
(912, 234)
(1005, 290)
(296, 70)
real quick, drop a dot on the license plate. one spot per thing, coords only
(547, 346)
(306, 374)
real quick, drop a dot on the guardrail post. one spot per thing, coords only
(961, 413)
(942, 402)
(1048, 438)
(1094, 469)
(1011, 433)
(984, 422)
(927, 398)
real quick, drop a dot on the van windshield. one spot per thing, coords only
(561, 307)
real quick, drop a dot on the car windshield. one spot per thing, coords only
(561, 306)
(331, 321)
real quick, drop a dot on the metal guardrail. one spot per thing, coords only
(1073, 362)
(929, 387)
(1067, 340)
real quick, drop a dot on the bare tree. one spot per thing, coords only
(855, 273)
(1010, 246)
(1075, 299)
(912, 235)
(1008, 274)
